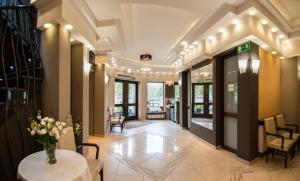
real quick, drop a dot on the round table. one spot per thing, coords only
(70, 166)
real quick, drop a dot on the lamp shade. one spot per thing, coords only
(255, 65)
(243, 64)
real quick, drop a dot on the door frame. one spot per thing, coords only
(125, 103)
(205, 104)
(228, 54)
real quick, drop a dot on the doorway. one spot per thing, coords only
(202, 100)
(230, 102)
(126, 98)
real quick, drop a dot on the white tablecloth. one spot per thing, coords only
(70, 166)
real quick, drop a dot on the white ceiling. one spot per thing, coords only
(148, 26)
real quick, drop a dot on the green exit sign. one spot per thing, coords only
(244, 47)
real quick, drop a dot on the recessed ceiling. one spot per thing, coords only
(149, 26)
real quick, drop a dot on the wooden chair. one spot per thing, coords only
(115, 119)
(67, 142)
(286, 129)
(276, 142)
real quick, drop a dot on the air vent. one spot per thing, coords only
(125, 77)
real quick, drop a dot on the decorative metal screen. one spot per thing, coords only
(20, 83)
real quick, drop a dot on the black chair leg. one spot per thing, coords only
(267, 155)
(101, 174)
(285, 159)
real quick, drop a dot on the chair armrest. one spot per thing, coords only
(293, 125)
(279, 136)
(287, 129)
(91, 145)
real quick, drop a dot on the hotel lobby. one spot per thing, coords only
(150, 90)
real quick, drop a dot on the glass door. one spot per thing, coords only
(202, 101)
(126, 98)
(132, 101)
(230, 103)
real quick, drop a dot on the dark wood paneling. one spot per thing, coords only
(184, 107)
(169, 91)
(247, 142)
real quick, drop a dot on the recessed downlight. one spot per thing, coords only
(274, 52)
(235, 21)
(221, 30)
(252, 12)
(264, 46)
(264, 22)
(273, 30)
(281, 58)
(47, 25)
(72, 39)
(69, 27)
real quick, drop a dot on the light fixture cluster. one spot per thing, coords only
(243, 65)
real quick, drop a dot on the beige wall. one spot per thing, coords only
(56, 57)
(100, 101)
(289, 89)
(269, 84)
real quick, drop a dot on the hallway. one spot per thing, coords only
(164, 151)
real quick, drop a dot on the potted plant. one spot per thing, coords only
(47, 132)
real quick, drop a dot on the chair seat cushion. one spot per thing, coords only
(116, 121)
(95, 166)
(276, 144)
(295, 136)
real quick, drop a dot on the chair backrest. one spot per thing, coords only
(270, 126)
(67, 141)
(111, 111)
(280, 120)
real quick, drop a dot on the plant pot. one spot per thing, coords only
(50, 152)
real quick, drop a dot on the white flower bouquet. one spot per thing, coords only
(47, 132)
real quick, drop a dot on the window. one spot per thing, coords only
(177, 93)
(155, 97)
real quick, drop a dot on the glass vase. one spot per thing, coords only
(50, 152)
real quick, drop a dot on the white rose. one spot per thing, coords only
(43, 131)
(57, 123)
(60, 128)
(43, 123)
(39, 117)
(57, 136)
(50, 120)
(48, 125)
(63, 124)
(32, 132)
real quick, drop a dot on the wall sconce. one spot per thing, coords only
(243, 64)
(179, 82)
(255, 65)
(87, 67)
(169, 83)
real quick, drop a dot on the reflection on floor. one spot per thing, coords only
(164, 151)
(205, 122)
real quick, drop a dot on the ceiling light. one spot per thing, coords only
(184, 43)
(264, 22)
(191, 46)
(274, 30)
(69, 27)
(222, 30)
(196, 43)
(281, 36)
(145, 69)
(252, 12)
(47, 25)
(281, 58)
(286, 41)
(264, 46)
(210, 37)
(274, 52)
(89, 46)
(235, 21)
(187, 50)
(71, 39)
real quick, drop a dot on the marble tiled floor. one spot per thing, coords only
(164, 151)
